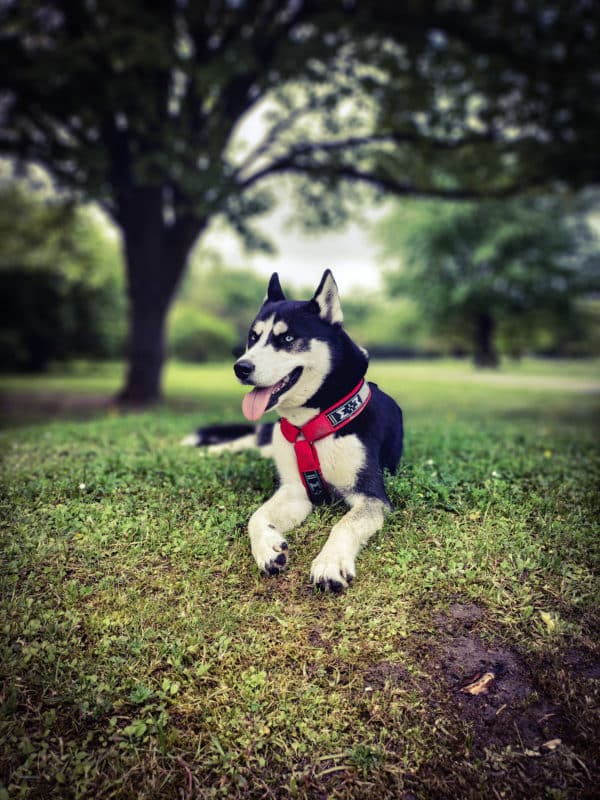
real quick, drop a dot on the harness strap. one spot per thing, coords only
(324, 424)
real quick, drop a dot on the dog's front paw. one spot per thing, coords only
(270, 551)
(332, 571)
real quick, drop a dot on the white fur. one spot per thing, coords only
(191, 440)
(340, 458)
(288, 507)
(263, 325)
(336, 561)
(234, 446)
(271, 365)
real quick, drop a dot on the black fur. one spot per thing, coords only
(222, 433)
(379, 426)
(218, 434)
(264, 434)
(380, 429)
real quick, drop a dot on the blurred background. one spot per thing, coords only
(159, 161)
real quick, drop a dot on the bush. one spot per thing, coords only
(49, 317)
(61, 280)
(197, 336)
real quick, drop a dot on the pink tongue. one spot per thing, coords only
(255, 403)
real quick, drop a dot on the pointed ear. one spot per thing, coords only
(327, 299)
(274, 290)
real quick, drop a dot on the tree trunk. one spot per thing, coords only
(485, 350)
(155, 256)
(146, 348)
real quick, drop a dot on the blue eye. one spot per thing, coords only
(252, 337)
(288, 338)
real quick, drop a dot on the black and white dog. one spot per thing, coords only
(336, 436)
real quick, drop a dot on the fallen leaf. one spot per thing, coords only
(532, 753)
(549, 621)
(481, 684)
(551, 744)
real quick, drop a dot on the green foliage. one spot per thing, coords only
(199, 336)
(232, 295)
(142, 653)
(387, 325)
(61, 280)
(50, 318)
(522, 264)
(411, 100)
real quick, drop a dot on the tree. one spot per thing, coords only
(472, 265)
(213, 307)
(233, 294)
(60, 281)
(136, 105)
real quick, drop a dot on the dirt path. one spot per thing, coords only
(22, 407)
(548, 382)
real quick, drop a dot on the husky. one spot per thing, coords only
(336, 436)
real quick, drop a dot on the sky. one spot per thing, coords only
(302, 257)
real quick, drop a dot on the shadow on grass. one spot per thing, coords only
(18, 409)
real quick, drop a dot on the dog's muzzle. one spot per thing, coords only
(243, 369)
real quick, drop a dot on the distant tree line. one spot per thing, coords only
(61, 283)
(516, 275)
(477, 280)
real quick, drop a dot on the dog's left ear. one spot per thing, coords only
(327, 300)
(274, 290)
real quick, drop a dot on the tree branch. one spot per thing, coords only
(295, 159)
(383, 182)
(270, 139)
(393, 137)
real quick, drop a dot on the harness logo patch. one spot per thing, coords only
(316, 488)
(340, 414)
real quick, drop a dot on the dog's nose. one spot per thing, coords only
(243, 369)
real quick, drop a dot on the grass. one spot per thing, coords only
(144, 656)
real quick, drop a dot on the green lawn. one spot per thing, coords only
(143, 656)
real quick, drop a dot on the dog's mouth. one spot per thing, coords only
(263, 398)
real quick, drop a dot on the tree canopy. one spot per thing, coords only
(106, 94)
(479, 268)
(137, 106)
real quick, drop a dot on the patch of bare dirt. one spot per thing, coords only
(521, 705)
(512, 711)
(23, 407)
(582, 664)
(385, 673)
(459, 615)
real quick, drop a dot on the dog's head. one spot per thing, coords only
(291, 348)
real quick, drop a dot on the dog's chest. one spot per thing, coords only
(341, 459)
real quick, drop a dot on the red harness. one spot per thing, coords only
(327, 422)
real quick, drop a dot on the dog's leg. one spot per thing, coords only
(333, 569)
(286, 509)
(235, 446)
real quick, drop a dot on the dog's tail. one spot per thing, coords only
(232, 438)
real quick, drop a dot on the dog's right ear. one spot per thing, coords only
(274, 290)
